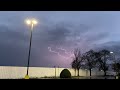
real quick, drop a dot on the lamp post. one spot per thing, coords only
(31, 23)
(86, 71)
(114, 58)
(55, 71)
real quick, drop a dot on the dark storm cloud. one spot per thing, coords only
(11, 36)
(14, 55)
(96, 36)
(61, 33)
(58, 33)
(113, 45)
(13, 47)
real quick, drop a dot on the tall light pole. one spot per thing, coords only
(58, 70)
(55, 71)
(114, 58)
(113, 55)
(31, 23)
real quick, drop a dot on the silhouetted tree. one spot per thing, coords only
(116, 67)
(89, 59)
(102, 57)
(77, 61)
(98, 56)
(74, 65)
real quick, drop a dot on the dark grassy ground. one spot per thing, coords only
(80, 77)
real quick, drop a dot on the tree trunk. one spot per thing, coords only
(104, 73)
(78, 72)
(90, 73)
(75, 72)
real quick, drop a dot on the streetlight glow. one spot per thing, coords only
(34, 22)
(28, 22)
(111, 52)
(31, 21)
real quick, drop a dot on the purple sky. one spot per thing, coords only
(56, 35)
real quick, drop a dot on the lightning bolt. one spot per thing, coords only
(49, 48)
(64, 50)
(66, 57)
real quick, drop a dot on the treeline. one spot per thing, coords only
(101, 60)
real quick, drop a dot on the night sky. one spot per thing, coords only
(56, 36)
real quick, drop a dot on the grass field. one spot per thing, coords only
(80, 77)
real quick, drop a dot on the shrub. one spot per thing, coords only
(65, 74)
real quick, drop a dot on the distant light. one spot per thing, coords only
(111, 52)
(101, 70)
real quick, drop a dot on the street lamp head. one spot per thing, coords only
(28, 22)
(34, 22)
(31, 22)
